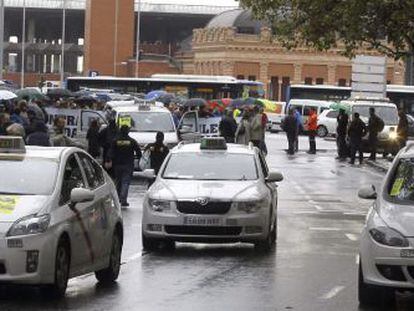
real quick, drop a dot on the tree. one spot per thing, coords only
(383, 25)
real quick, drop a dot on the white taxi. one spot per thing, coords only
(212, 192)
(387, 241)
(59, 217)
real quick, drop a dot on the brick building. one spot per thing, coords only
(235, 44)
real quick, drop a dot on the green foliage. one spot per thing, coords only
(384, 25)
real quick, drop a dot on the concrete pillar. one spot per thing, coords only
(109, 34)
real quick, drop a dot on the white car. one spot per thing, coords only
(212, 192)
(327, 123)
(387, 243)
(146, 120)
(59, 217)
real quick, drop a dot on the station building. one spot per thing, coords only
(208, 40)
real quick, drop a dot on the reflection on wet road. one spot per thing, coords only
(313, 268)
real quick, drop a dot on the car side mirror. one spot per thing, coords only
(150, 174)
(274, 177)
(368, 193)
(81, 195)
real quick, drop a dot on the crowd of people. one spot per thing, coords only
(251, 128)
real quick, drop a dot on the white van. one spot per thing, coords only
(305, 105)
(388, 112)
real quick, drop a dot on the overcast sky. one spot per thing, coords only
(203, 2)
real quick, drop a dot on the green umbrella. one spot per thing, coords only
(339, 105)
(31, 93)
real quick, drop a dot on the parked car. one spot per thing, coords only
(387, 245)
(327, 123)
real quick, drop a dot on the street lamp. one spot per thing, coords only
(116, 36)
(1, 37)
(23, 45)
(62, 57)
(137, 52)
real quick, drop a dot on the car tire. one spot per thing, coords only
(269, 243)
(62, 267)
(371, 295)
(111, 273)
(150, 244)
(322, 131)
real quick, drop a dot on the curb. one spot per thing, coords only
(381, 167)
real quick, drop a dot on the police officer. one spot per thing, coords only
(375, 126)
(356, 131)
(341, 134)
(121, 157)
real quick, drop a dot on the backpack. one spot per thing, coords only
(380, 124)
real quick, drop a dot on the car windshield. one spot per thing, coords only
(401, 187)
(388, 114)
(150, 121)
(211, 166)
(31, 176)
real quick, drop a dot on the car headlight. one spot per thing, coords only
(159, 205)
(387, 236)
(393, 135)
(32, 224)
(250, 207)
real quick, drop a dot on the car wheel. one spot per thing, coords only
(269, 243)
(111, 273)
(62, 266)
(369, 295)
(149, 244)
(322, 131)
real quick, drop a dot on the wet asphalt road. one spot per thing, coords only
(313, 268)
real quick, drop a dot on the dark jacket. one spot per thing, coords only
(402, 128)
(357, 129)
(290, 125)
(228, 127)
(342, 124)
(39, 136)
(375, 125)
(158, 154)
(93, 142)
(123, 151)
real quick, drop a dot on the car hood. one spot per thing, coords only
(14, 207)
(398, 217)
(216, 190)
(144, 138)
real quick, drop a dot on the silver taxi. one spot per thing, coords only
(212, 192)
(59, 217)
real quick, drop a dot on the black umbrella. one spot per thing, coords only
(166, 99)
(85, 100)
(57, 93)
(195, 102)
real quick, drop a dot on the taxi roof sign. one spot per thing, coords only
(213, 143)
(12, 144)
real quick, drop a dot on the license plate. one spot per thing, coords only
(407, 253)
(198, 221)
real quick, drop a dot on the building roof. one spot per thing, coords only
(241, 19)
(148, 7)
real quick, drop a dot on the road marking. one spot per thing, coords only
(132, 258)
(356, 214)
(324, 229)
(333, 292)
(352, 237)
(319, 208)
(357, 259)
